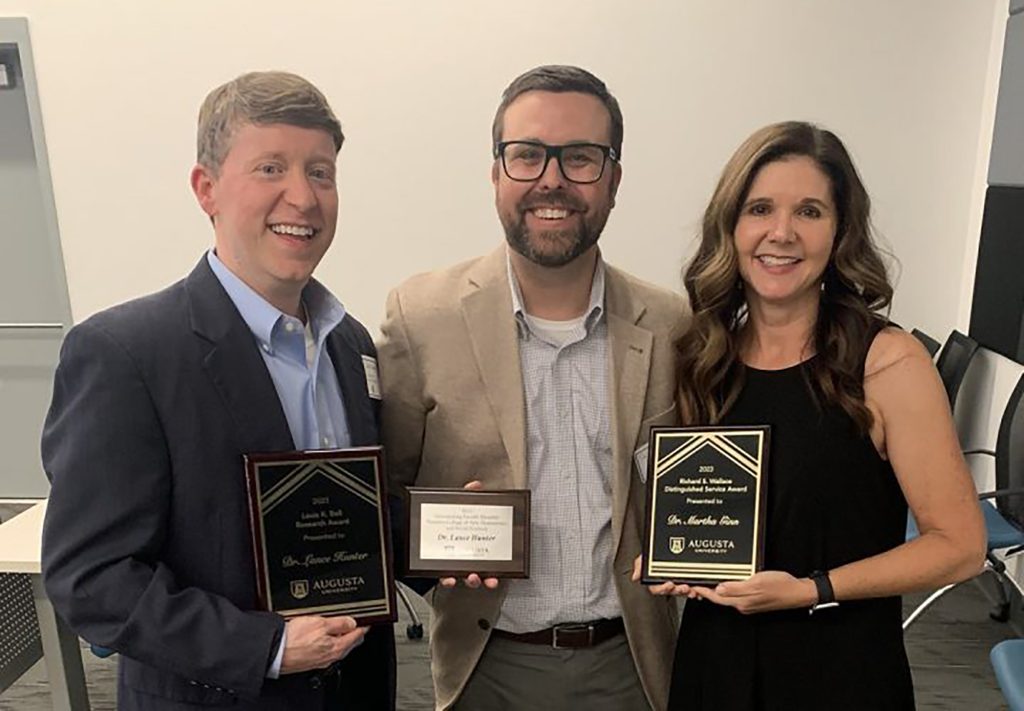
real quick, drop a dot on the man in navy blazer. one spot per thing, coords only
(146, 545)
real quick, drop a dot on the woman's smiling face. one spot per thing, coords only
(785, 232)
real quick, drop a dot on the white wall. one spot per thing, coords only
(416, 83)
(979, 185)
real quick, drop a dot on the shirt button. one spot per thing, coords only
(326, 441)
(266, 348)
(289, 326)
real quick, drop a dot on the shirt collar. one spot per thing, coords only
(324, 311)
(594, 310)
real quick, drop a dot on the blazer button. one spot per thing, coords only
(315, 682)
(484, 624)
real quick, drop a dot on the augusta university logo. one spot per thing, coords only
(300, 588)
(676, 544)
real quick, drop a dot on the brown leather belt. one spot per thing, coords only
(570, 635)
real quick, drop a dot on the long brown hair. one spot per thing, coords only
(855, 284)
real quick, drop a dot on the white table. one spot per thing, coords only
(20, 552)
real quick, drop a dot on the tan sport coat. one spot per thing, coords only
(453, 411)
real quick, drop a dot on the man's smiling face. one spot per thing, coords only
(274, 205)
(551, 220)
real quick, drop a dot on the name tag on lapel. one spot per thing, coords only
(640, 458)
(372, 379)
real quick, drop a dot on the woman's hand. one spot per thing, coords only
(762, 592)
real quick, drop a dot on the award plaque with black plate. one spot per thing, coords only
(321, 533)
(454, 532)
(706, 494)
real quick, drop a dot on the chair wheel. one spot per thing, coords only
(414, 631)
(1000, 612)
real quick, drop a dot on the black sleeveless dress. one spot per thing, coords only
(831, 500)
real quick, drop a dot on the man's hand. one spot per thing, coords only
(314, 642)
(472, 580)
(664, 588)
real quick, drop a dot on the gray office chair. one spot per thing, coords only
(929, 343)
(953, 360)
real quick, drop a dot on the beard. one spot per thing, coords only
(552, 248)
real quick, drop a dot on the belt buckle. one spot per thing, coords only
(569, 629)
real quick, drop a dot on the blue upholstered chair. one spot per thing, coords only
(1002, 508)
(1008, 663)
(101, 652)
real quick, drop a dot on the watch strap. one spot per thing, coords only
(826, 595)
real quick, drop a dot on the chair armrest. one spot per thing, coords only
(1001, 493)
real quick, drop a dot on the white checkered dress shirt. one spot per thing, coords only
(569, 464)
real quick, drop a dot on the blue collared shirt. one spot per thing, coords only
(300, 367)
(298, 362)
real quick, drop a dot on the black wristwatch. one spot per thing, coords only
(826, 596)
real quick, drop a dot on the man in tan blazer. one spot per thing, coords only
(539, 366)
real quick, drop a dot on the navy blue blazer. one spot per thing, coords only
(146, 543)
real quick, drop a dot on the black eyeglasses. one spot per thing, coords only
(526, 161)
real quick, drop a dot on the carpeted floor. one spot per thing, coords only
(415, 690)
(948, 649)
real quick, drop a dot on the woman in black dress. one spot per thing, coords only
(787, 289)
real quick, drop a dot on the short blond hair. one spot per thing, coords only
(260, 98)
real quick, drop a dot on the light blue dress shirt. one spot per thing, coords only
(299, 365)
(305, 380)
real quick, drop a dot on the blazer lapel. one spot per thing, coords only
(631, 360)
(348, 364)
(487, 311)
(236, 368)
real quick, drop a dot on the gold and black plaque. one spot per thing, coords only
(706, 494)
